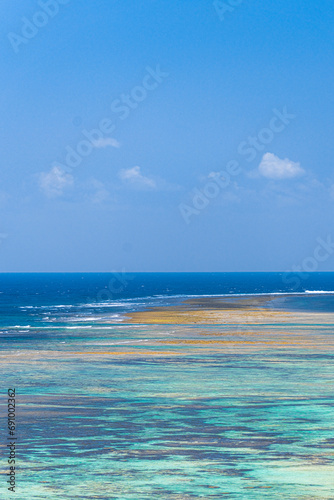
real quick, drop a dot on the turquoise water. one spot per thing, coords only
(111, 410)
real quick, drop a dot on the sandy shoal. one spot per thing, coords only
(225, 310)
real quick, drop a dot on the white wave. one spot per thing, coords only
(249, 294)
(75, 327)
(106, 304)
(61, 306)
(316, 292)
(87, 318)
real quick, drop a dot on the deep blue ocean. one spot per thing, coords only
(28, 300)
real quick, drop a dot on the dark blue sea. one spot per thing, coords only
(28, 300)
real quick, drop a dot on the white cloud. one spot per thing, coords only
(53, 183)
(134, 176)
(104, 142)
(272, 167)
(100, 193)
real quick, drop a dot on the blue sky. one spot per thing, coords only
(165, 136)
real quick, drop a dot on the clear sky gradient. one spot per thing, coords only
(166, 136)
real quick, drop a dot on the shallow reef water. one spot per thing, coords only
(181, 401)
(137, 412)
